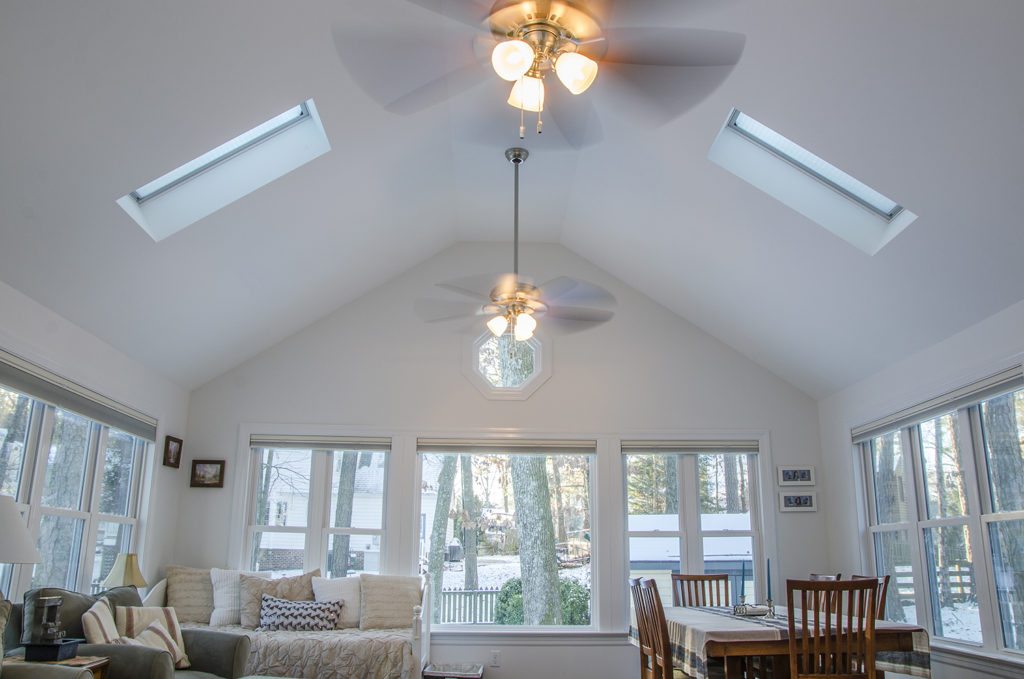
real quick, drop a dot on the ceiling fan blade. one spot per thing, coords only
(655, 95)
(468, 12)
(480, 286)
(666, 46)
(569, 291)
(575, 117)
(403, 68)
(579, 314)
(438, 310)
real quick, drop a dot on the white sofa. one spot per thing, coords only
(335, 654)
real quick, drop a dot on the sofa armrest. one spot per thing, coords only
(131, 662)
(221, 653)
(39, 671)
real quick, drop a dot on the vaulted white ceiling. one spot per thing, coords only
(922, 100)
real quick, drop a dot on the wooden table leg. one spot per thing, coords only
(733, 667)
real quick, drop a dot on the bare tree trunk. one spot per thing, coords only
(470, 522)
(15, 433)
(732, 484)
(340, 554)
(445, 485)
(541, 596)
(671, 484)
(556, 467)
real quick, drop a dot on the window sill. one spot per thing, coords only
(996, 665)
(479, 636)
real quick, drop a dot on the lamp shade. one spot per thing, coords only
(125, 571)
(512, 59)
(576, 71)
(16, 544)
(528, 94)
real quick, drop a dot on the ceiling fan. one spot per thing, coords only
(407, 64)
(513, 303)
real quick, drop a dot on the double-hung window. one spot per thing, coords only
(945, 485)
(75, 477)
(692, 507)
(506, 531)
(316, 502)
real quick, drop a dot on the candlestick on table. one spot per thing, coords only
(769, 578)
(743, 579)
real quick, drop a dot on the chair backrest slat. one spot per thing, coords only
(700, 590)
(883, 589)
(658, 628)
(832, 628)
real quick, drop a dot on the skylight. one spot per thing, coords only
(808, 184)
(234, 169)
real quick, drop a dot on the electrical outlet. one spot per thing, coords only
(495, 658)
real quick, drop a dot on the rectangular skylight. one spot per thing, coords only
(234, 169)
(806, 183)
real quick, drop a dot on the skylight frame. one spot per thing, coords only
(221, 154)
(855, 190)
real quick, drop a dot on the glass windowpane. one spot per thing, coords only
(15, 414)
(1007, 538)
(888, 469)
(112, 538)
(893, 558)
(656, 558)
(65, 464)
(279, 554)
(945, 494)
(60, 545)
(357, 489)
(352, 554)
(652, 492)
(118, 471)
(282, 487)
(951, 574)
(734, 557)
(1002, 423)
(724, 491)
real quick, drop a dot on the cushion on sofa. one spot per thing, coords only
(298, 616)
(345, 590)
(74, 607)
(98, 624)
(5, 614)
(388, 600)
(227, 585)
(297, 588)
(155, 635)
(190, 593)
(132, 621)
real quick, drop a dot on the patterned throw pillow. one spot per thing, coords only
(190, 593)
(388, 600)
(98, 624)
(155, 635)
(227, 587)
(298, 588)
(5, 614)
(305, 616)
(340, 589)
(133, 621)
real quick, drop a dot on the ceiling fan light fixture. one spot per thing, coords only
(498, 325)
(524, 326)
(511, 59)
(576, 71)
(527, 94)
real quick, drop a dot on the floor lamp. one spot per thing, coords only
(16, 544)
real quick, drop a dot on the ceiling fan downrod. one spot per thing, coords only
(517, 156)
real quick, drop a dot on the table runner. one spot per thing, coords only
(691, 629)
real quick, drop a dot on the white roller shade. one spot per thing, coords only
(506, 446)
(319, 442)
(670, 447)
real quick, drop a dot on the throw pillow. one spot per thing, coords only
(305, 616)
(5, 614)
(98, 624)
(298, 588)
(133, 621)
(388, 600)
(345, 590)
(155, 635)
(227, 609)
(190, 593)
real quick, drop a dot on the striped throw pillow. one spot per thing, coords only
(98, 624)
(155, 635)
(282, 614)
(132, 621)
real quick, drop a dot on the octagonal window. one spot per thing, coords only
(505, 363)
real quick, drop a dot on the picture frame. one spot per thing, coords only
(798, 501)
(172, 451)
(799, 475)
(207, 474)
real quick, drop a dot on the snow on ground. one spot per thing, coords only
(961, 621)
(495, 571)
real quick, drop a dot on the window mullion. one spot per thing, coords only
(319, 502)
(922, 585)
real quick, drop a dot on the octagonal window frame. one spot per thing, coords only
(542, 359)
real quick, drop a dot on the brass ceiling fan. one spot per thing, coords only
(408, 65)
(513, 303)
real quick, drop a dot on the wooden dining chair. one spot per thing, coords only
(824, 577)
(659, 629)
(883, 589)
(832, 628)
(645, 635)
(700, 590)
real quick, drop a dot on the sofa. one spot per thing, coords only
(368, 653)
(213, 654)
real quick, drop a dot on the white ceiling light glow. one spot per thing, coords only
(576, 71)
(528, 94)
(512, 59)
(808, 184)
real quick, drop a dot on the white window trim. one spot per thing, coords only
(543, 357)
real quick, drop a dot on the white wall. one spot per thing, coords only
(373, 363)
(34, 332)
(983, 349)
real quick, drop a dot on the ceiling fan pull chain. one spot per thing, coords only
(522, 115)
(540, 124)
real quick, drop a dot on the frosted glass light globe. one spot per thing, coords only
(528, 94)
(576, 71)
(512, 59)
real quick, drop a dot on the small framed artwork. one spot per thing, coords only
(207, 474)
(798, 501)
(796, 476)
(172, 451)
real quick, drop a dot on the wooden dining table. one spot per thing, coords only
(710, 643)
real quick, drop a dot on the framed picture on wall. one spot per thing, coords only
(798, 501)
(172, 451)
(207, 474)
(796, 476)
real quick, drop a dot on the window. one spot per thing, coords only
(317, 503)
(77, 481)
(506, 536)
(505, 369)
(946, 494)
(693, 508)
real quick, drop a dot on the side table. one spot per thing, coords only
(95, 664)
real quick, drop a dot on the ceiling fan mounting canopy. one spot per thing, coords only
(545, 25)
